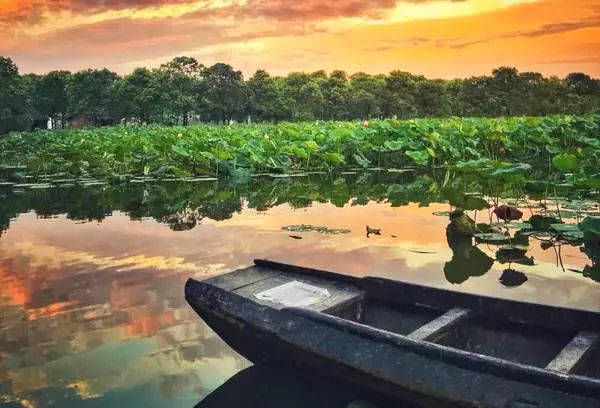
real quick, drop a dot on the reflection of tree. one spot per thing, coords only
(174, 385)
(182, 205)
(591, 248)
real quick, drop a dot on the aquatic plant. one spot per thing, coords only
(497, 149)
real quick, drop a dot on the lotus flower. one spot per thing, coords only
(507, 213)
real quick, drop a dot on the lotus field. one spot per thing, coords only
(562, 148)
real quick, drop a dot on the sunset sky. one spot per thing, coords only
(437, 38)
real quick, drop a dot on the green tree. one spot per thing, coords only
(265, 101)
(473, 97)
(89, 94)
(505, 86)
(182, 87)
(366, 92)
(138, 96)
(583, 93)
(431, 99)
(400, 94)
(49, 96)
(303, 94)
(14, 108)
(549, 97)
(225, 92)
(336, 91)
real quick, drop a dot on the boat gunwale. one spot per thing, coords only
(446, 299)
(460, 358)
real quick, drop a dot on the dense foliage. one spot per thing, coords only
(13, 103)
(184, 91)
(566, 143)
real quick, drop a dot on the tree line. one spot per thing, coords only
(184, 91)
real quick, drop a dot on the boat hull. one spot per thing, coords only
(337, 348)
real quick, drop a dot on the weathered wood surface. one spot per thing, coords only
(241, 277)
(574, 353)
(437, 327)
(250, 281)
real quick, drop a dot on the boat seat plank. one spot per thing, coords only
(436, 327)
(573, 353)
(242, 277)
(341, 293)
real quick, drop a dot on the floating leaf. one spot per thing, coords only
(592, 272)
(492, 238)
(570, 232)
(509, 169)
(591, 182)
(315, 228)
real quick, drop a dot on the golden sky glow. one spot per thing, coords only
(438, 38)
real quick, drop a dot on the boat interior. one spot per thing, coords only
(566, 341)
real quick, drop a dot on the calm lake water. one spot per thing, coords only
(92, 312)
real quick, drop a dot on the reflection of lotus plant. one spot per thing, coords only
(512, 278)
(183, 220)
(467, 260)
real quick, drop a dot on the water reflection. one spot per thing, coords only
(467, 260)
(91, 279)
(268, 387)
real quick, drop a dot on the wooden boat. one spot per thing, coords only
(431, 347)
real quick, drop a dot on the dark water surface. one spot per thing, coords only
(92, 312)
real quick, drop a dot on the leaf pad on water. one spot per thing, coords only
(492, 238)
(315, 228)
(570, 232)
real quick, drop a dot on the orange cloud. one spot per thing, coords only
(441, 38)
